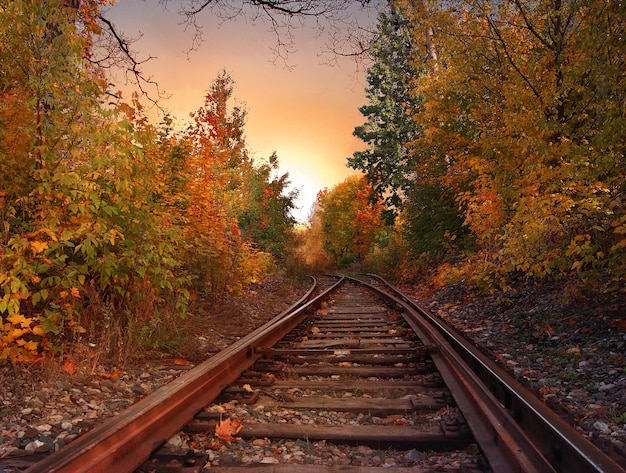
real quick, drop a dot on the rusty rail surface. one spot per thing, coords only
(125, 441)
(528, 424)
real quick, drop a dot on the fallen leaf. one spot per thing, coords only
(573, 351)
(619, 324)
(180, 361)
(315, 330)
(69, 365)
(227, 429)
(114, 375)
(544, 390)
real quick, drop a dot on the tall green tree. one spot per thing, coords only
(387, 162)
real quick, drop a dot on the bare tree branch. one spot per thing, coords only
(511, 61)
(332, 18)
(113, 51)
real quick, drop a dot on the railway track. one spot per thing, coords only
(352, 374)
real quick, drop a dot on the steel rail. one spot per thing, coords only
(505, 445)
(565, 448)
(125, 441)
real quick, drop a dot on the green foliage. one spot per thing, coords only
(238, 214)
(432, 222)
(265, 217)
(387, 162)
(81, 232)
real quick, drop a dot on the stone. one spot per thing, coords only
(32, 447)
(176, 440)
(601, 427)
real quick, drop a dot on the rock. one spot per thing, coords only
(601, 427)
(63, 386)
(414, 455)
(31, 433)
(176, 440)
(138, 390)
(32, 447)
(365, 450)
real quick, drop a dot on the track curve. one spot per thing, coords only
(375, 370)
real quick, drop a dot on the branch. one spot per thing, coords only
(530, 26)
(281, 16)
(511, 61)
(127, 62)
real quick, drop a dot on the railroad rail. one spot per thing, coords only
(353, 336)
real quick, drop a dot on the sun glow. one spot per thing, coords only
(306, 114)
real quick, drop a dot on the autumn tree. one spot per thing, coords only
(403, 177)
(77, 231)
(266, 216)
(308, 255)
(518, 115)
(350, 221)
(238, 213)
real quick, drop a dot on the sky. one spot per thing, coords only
(303, 109)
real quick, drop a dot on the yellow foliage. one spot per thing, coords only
(15, 333)
(19, 319)
(38, 330)
(31, 345)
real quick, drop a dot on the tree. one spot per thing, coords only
(387, 162)
(77, 231)
(515, 120)
(238, 215)
(350, 221)
(265, 217)
(281, 16)
(308, 255)
(113, 50)
(218, 149)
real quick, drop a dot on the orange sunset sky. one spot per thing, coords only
(306, 113)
